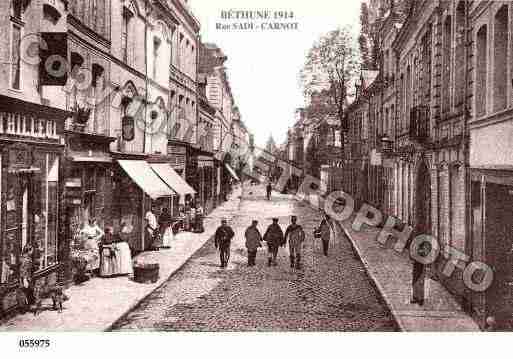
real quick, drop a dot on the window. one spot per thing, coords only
(125, 31)
(97, 87)
(407, 92)
(16, 57)
(180, 52)
(76, 62)
(459, 56)
(447, 59)
(500, 53)
(156, 47)
(481, 71)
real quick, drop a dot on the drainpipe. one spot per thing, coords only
(466, 152)
(145, 72)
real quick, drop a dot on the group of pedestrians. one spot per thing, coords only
(274, 238)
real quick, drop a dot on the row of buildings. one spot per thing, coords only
(106, 107)
(429, 136)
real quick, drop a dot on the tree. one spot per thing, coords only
(330, 68)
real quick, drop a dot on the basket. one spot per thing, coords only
(147, 272)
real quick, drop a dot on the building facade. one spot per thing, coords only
(104, 120)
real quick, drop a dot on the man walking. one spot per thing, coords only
(296, 236)
(269, 190)
(274, 238)
(222, 241)
(326, 229)
(253, 241)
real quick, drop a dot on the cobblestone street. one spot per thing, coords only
(328, 294)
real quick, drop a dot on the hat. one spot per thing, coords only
(275, 219)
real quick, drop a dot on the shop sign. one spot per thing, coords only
(20, 156)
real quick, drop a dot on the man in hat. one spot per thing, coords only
(274, 238)
(222, 241)
(296, 236)
(253, 242)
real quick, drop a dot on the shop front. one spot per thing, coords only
(135, 188)
(182, 189)
(31, 152)
(88, 185)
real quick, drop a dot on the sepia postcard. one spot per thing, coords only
(193, 166)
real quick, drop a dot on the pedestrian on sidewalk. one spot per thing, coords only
(151, 228)
(253, 242)
(419, 274)
(296, 236)
(274, 238)
(326, 230)
(166, 231)
(269, 190)
(222, 241)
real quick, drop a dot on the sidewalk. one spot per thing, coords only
(96, 304)
(391, 274)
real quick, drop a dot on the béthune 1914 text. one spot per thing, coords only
(264, 26)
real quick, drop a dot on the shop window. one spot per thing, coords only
(481, 71)
(500, 53)
(45, 213)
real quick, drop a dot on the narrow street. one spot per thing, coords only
(328, 294)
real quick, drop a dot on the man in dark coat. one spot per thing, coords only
(269, 190)
(222, 241)
(274, 238)
(296, 236)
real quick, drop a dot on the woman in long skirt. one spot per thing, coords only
(165, 228)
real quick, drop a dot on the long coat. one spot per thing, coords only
(253, 238)
(326, 229)
(274, 236)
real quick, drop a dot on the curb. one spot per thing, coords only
(377, 284)
(139, 301)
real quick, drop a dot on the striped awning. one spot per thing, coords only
(147, 180)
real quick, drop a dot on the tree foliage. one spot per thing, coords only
(330, 68)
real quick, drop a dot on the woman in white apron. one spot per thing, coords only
(165, 221)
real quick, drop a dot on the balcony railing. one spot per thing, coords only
(419, 123)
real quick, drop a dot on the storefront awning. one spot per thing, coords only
(232, 172)
(173, 179)
(147, 180)
(94, 159)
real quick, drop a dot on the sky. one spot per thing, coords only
(263, 65)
